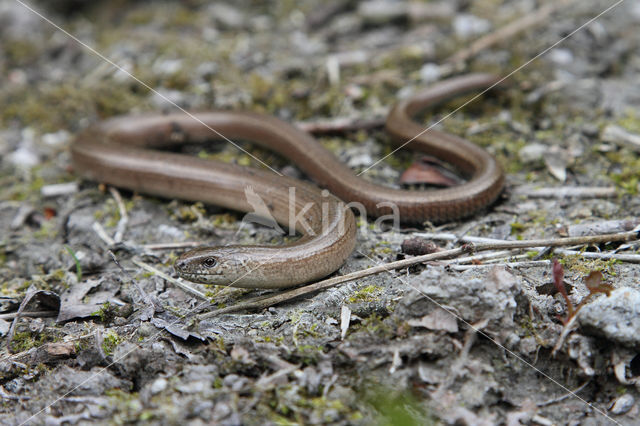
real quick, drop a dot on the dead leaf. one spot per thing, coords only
(43, 299)
(175, 329)
(430, 171)
(73, 302)
(345, 318)
(594, 283)
(439, 319)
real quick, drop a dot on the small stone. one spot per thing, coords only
(56, 139)
(228, 17)
(430, 72)
(532, 152)
(146, 329)
(164, 98)
(616, 317)
(381, 11)
(170, 231)
(207, 69)
(561, 56)
(466, 25)
(158, 385)
(622, 404)
(619, 136)
(590, 129)
(360, 160)
(167, 66)
(528, 345)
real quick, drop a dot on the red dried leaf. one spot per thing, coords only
(558, 282)
(49, 212)
(594, 283)
(593, 279)
(427, 171)
(558, 277)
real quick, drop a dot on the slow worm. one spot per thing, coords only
(123, 152)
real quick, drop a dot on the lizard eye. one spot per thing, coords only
(210, 262)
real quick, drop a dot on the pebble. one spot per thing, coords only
(226, 16)
(430, 72)
(532, 152)
(622, 404)
(616, 317)
(158, 385)
(561, 56)
(166, 66)
(167, 98)
(619, 136)
(25, 156)
(466, 25)
(171, 232)
(381, 11)
(58, 138)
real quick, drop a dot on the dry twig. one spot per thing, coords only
(188, 289)
(445, 254)
(564, 192)
(124, 217)
(508, 31)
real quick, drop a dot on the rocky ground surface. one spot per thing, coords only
(96, 344)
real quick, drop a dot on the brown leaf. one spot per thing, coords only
(594, 283)
(429, 171)
(558, 281)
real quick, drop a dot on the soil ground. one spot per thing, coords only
(376, 350)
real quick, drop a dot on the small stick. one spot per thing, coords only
(99, 230)
(481, 257)
(448, 236)
(341, 125)
(31, 314)
(495, 245)
(602, 227)
(58, 189)
(512, 258)
(620, 136)
(145, 296)
(171, 246)
(630, 258)
(124, 217)
(567, 192)
(565, 396)
(180, 284)
(457, 367)
(508, 264)
(508, 31)
(566, 329)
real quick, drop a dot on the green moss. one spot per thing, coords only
(517, 228)
(375, 325)
(627, 175)
(20, 52)
(369, 293)
(105, 313)
(576, 263)
(25, 340)
(189, 213)
(309, 354)
(140, 16)
(54, 107)
(397, 407)
(217, 383)
(630, 121)
(48, 230)
(109, 343)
